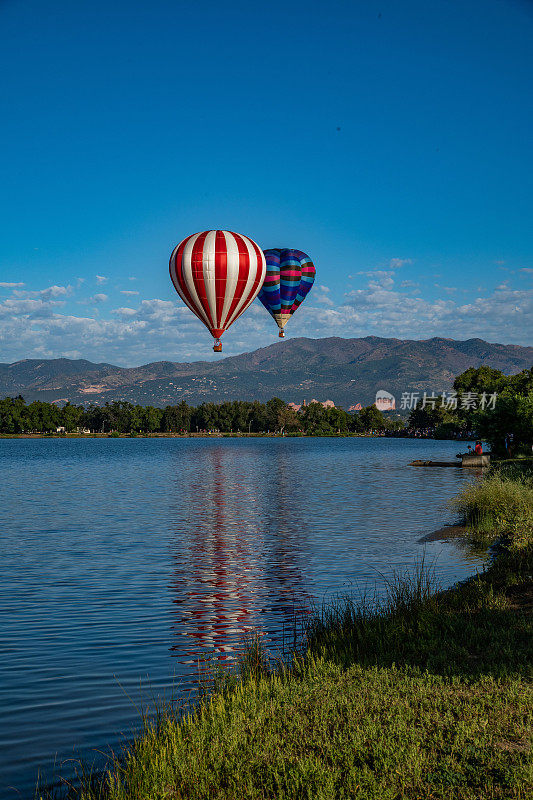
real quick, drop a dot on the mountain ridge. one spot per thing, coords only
(346, 371)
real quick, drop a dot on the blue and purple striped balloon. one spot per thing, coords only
(290, 275)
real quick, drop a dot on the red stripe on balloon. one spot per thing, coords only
(244, 266)
(258, 274)
(177, 278)
(197, 269)
(221, 275)
(175, 260)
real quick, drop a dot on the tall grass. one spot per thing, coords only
(349, 629)
(499, 506)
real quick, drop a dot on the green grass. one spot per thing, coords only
(328, 732)
(426, 694)
(468, 631)
(500, 504)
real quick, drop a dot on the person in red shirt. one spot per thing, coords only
(478, 449)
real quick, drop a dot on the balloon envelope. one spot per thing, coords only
(217, 274)
(290, 275)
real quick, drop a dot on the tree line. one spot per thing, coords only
(229, 417)
(484, 404)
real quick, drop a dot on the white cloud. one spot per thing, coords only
(45, 294)
(128, 292)
(501, 316)
(6, 285)
(321, 295)
(99, 298)
(396, 263)
(101, 279)
(379, 278)
(17, 308)
(522, 269)
(34, 324)
(125, 312)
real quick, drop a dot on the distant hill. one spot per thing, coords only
(347, 371)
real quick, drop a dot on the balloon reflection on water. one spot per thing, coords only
(236, 556)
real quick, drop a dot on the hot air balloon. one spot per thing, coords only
(217, 274)
(289, 277)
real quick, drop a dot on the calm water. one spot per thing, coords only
(123, 560)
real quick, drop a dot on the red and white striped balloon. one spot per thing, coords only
(217, 274)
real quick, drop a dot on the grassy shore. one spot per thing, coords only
(427, 695)
(501, 505)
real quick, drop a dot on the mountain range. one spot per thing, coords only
(347, 371)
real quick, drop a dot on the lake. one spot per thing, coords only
(125, 561)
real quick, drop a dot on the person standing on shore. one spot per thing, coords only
(478, 449)
(508, 443)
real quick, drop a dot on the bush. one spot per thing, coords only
(498, 505)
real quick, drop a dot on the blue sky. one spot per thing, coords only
(389, 140)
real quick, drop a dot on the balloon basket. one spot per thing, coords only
(217, 347)
(281, 334)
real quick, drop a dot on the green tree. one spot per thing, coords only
(13, 415)
(93, 418)
(513, 413)
(337, 419)
(287, 419)
(273, 408)
(151, 419)
(176, 418)
(225, 417)
(71, 417)
(479, 380)
(522, 382)
(315, 420)
(394, 423)
(257, 418)
(372, 419)
(428, 417)
(43, 417)
(205, 417)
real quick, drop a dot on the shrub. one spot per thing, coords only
(499, 505)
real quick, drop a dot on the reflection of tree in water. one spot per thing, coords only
(236, 556)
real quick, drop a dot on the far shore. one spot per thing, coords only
(217, 435)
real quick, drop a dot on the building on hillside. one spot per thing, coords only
(356, 407)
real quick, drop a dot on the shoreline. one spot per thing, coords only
(219, 435)
(452, 531)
